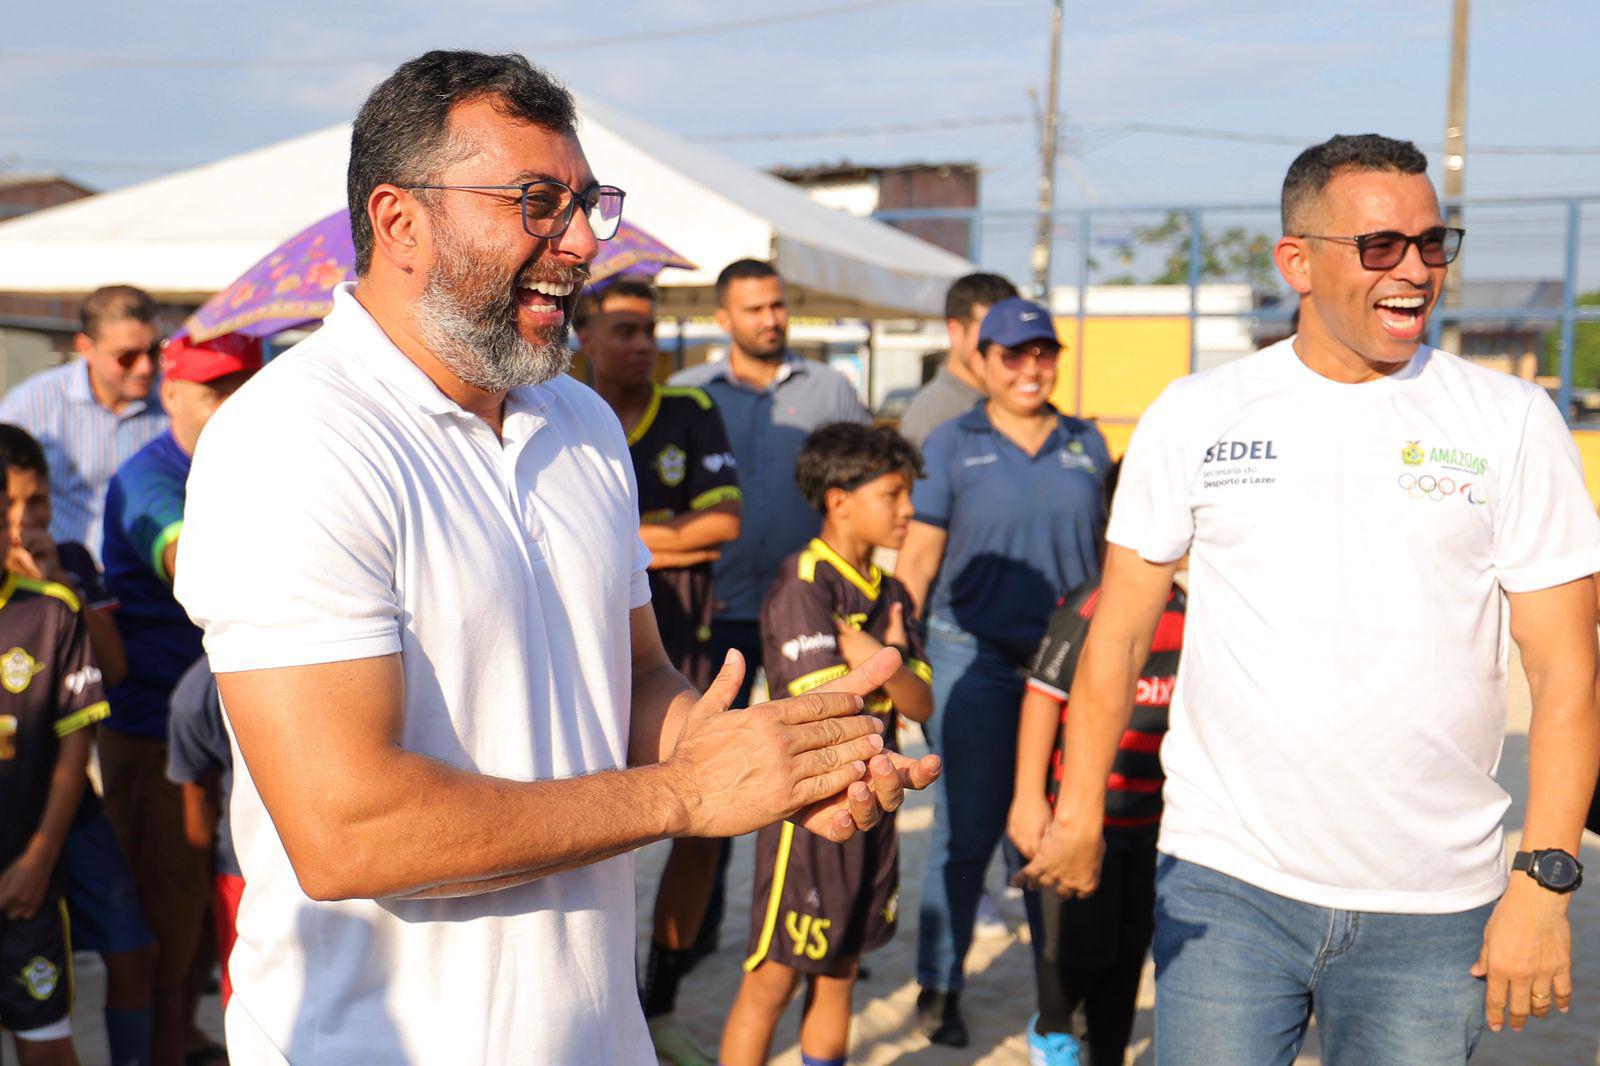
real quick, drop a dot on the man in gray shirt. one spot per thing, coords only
(955, 388)
(770, 400)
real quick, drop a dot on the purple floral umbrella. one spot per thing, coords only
(293, 285)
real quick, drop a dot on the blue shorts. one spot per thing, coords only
(101, 898)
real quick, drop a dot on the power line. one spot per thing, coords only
(885, 129)
(181, 63)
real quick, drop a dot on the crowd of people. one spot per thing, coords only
(482, 629)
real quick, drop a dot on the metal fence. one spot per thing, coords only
(1524, 265)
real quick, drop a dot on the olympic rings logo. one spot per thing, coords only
(1426, 486)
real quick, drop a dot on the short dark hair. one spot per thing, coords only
(741, 270)
(1313, 168)
(965, 293)
(847, 455)
(19, 451)
(401, 135)
(115, 303)
(593, 299)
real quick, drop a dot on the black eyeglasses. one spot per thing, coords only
(548, 206)
(1385, 249)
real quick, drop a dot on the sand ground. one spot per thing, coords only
(1000, 991)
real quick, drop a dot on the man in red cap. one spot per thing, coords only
(144, 517)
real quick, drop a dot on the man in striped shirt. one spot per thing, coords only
(93, 414)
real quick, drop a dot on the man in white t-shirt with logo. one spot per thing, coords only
(1366, 520)
(412, 544)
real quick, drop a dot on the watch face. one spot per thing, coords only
(1556, 870)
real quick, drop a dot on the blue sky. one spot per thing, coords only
(119, 93)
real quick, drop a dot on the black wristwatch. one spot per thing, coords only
(1552, 868)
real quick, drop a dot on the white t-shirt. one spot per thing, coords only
(341, 507)
(1341, 702)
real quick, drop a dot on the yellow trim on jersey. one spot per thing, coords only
(780, 871)
(817, 677)
(868, 586)
(647, 419)
(699, 396)
(95, 712)
(712, 497)
(806, 568)
(920, 670)
(66, 942)
(44, 588)
(7, 587)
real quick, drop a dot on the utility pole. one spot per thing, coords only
(1455, 164)
(1047, 168)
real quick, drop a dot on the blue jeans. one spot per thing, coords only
(977, 692)
(1240, 970)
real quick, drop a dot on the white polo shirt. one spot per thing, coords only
(341, 507)
(1342, 697)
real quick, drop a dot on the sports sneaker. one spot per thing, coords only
(673, 1046)
(939, 1018)
(989, 924)
(1055, 1049)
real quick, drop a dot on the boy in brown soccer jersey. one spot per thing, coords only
(819, 906)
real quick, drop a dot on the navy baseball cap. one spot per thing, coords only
(1015, 321)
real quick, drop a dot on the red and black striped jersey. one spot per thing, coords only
(1133, 791)
(49, 687)
(815, 588)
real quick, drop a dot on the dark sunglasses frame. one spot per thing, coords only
(1014, 358)
(1372, 258)
(591, 199)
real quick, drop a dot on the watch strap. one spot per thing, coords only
(1523, 861)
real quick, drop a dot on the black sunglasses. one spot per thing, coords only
(548, 206)
(1385, 249)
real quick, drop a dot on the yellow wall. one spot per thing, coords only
(1588, 441)
(1125, 363)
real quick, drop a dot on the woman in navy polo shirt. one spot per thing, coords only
(1009, 516)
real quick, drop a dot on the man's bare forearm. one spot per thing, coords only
(432, 830)
(1102, 707)
(694, 531)
(661, 701)
(1563, 761)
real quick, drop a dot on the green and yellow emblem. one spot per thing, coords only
(17, 668)
(671, 465)
(1412, 454)
(39, 978)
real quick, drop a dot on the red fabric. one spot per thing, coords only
(226, 890)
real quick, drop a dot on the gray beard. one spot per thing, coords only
(467, 316)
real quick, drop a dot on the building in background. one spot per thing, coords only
(866, 191)
(35, 331)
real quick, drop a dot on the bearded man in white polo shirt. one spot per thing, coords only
(1366, 520)
(413, 549)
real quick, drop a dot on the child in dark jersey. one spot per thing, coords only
(819, 906)
(1094, 948)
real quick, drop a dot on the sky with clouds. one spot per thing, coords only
(114, 94)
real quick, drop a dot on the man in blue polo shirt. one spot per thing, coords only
(770, 400)
(93, 414)
(144, 516)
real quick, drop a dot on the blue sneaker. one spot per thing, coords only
(1057, 1049)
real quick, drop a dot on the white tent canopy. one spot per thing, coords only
(188, 235)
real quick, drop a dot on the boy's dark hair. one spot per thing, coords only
(401, 135)
(1313, 168)
(741, 270)
(847, 455)
(593, 299)
(967, 292)
(115, 303)
(19, 451)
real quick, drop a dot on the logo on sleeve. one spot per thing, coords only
(79, 680)
(17, 668)
(717, 460)
(671, 465)
(793, 649)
